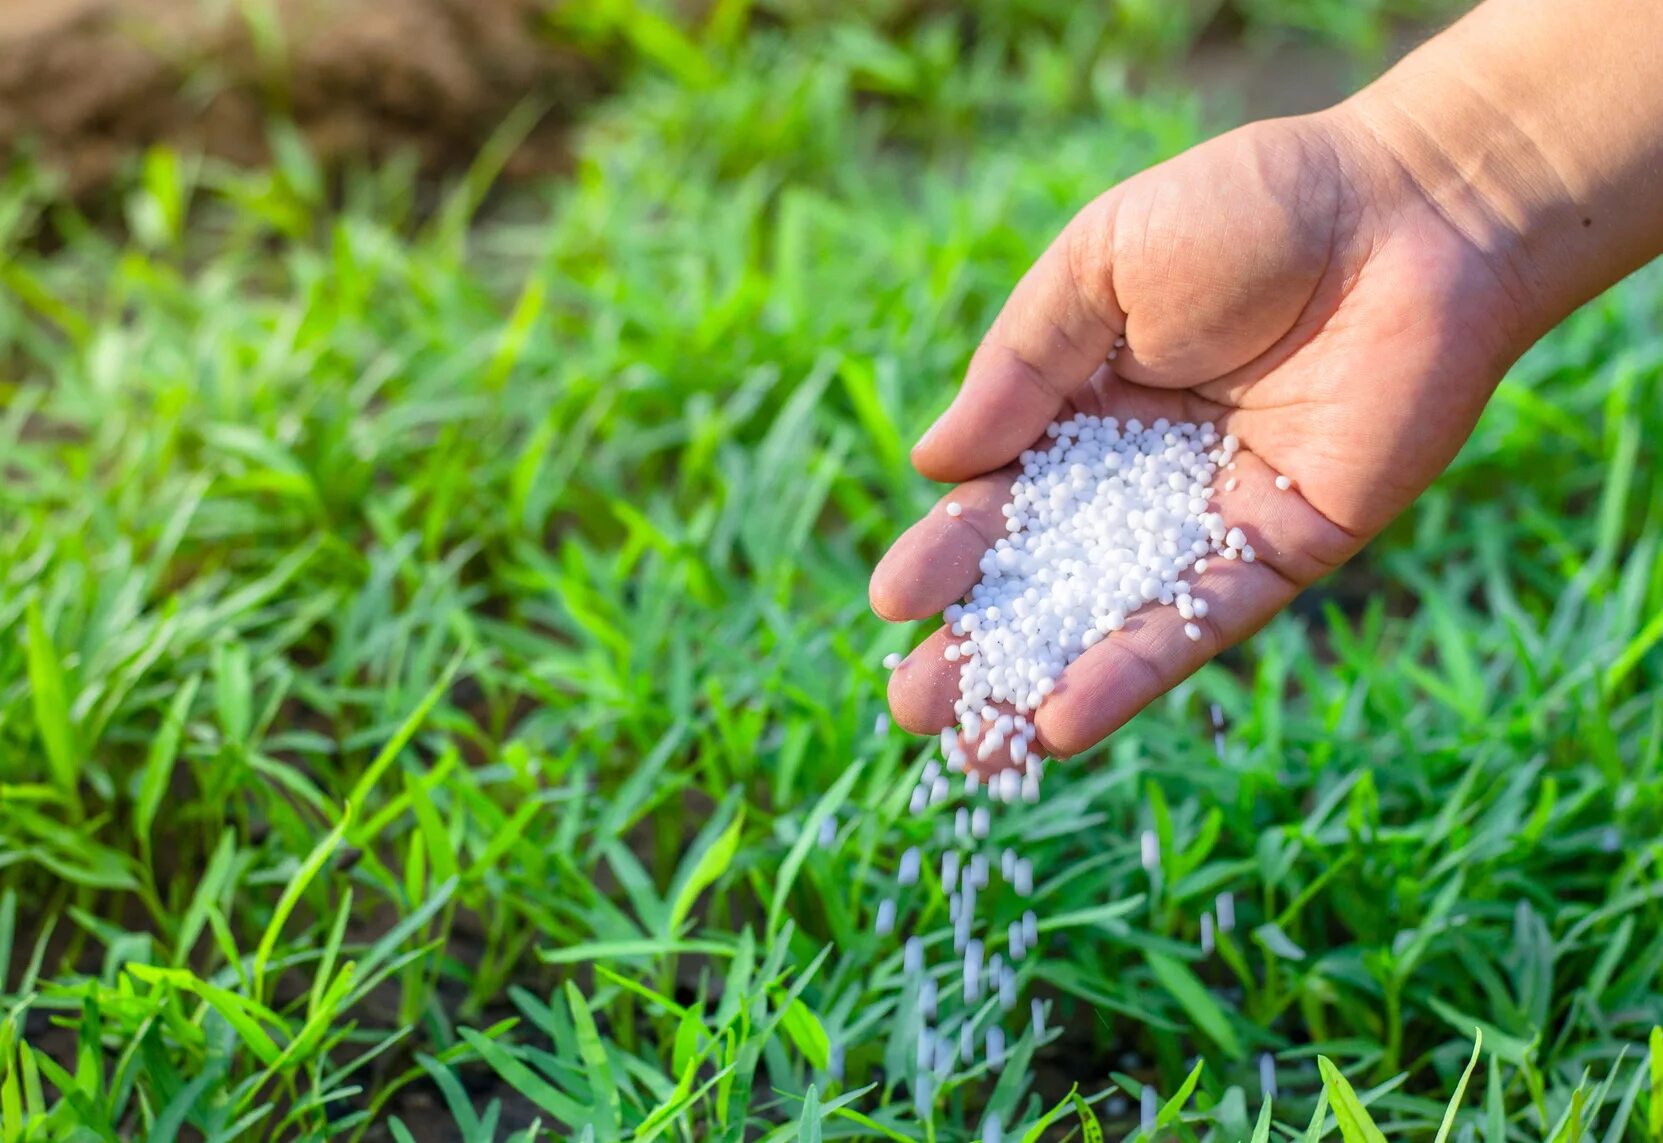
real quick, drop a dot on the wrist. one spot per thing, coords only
(1535, 130)
(1435, 142)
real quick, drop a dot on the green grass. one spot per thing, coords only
(430, 646)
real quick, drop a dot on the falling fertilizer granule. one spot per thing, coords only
(1108, 519)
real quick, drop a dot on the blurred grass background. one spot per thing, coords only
(435, 631)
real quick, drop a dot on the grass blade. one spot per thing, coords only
(1355, 1123)
(1196, 1001)
(1654, 1063)
(1495, 1113)
(1448, 1124)
(1174, 1107)
(595, 1062)
(808, 1121)
(522, 1079)
(51, 705)
(402, 736)
(290, 897)
(1037, 1132)
(1319, 1114)
(709, 859)
(829, 804)
(158, 766)
(1090, 1130)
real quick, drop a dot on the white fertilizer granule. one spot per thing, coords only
(1106, 520)
(1267, 1075)
(911, 860)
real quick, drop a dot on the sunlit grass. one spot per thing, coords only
(431, 650)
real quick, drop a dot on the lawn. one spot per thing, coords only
(434, 633)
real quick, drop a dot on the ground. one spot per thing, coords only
(88, 82)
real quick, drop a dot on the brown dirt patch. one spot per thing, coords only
(86, 82)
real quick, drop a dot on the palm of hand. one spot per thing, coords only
(1285, 282)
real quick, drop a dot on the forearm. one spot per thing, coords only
(1536, 128)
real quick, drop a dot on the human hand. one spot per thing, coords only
(1293, 282)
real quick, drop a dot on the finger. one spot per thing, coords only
(1288, 535)
(1109, 683)
(998, 746)
(1112, 681)
(1292, 544)
(938, 559)
(1152, 653)
(1053, 333)
(922, 691)
(1212, 281)
(924, 687)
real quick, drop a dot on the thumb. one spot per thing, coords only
(1053, 333)
(1226, 254)
(1204, 263)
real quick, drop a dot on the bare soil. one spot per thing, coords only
(85, 83)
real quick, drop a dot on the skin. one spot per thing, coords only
(1343, 291)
